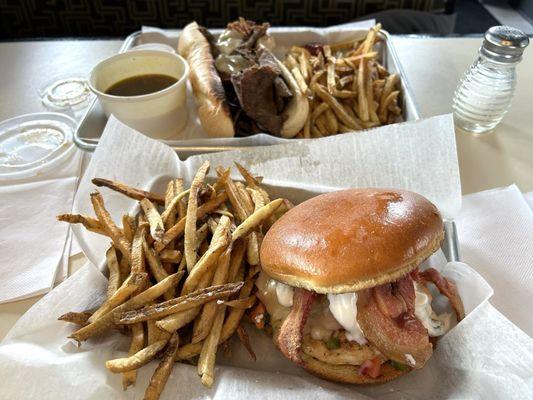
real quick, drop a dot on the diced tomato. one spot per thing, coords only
(257, 315)
(371, 368)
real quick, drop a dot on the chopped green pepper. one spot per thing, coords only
(333, 343)
(399, 366)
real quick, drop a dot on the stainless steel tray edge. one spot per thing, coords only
(89, 144)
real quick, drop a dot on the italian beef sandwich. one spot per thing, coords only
(240, 87)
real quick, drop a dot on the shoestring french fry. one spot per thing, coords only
(106, 321)
(245, 340)
(191, 217)
(202, 232)
(77, 318)
(242, 304)
(346, 71)
(89, 223)
(113, 281)
(206, 362)
(156, 268)
(138, 261)
(137, 343)
(252, 244)
(231, 323)
(170, 256)
(169, 216)
(152, 332)
(176, 305)
(163, 370)
(203, 302)
(125, 269)
(178, 188)
(207, 315)
(176, 321)
(251, 180)
(109, 226)
(130, 285)
(177, 230)
(128, 227)
(173, 206)
(334, 104)
(236, 260)
(155, 221)
(170, 193)
(137, 360)
(133, 193)
(255, 219)
(221, 239)
(234, 197)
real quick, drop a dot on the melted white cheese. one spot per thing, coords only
(284, 293)
(231, 63)
(344, 308)
(326, 317)
(436, 325)
(267, 294)
(228, 41)
(410, 360)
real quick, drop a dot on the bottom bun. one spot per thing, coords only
(348, 373)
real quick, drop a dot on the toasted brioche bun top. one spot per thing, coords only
(351, 240)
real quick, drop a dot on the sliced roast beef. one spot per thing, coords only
(256, 93)
(281, 90)
(243, 26)
(281, 93)
(266, 59)
(258, 31)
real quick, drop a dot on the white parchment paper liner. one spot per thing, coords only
(485, 356)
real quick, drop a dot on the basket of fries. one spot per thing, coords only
(180, 272)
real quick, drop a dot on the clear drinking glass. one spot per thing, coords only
(485, 91)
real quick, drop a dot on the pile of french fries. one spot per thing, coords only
(181, 272)
(348, 89)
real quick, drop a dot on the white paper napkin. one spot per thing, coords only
(37, 360)
(529, 199)
(495, 229)
(33, 246)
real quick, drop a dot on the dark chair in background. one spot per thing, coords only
(87, 18)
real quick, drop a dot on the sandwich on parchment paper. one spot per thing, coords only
(240, 87)
(342, 287)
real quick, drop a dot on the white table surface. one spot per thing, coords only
(433, 67)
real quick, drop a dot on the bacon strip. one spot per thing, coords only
(291, 331)
(446, 288)
(397, 300)
(386, 316)
(390, 305)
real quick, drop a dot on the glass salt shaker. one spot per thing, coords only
(485, 91)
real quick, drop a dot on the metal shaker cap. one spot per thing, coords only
(504, 44)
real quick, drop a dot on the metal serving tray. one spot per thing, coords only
(93, 122)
